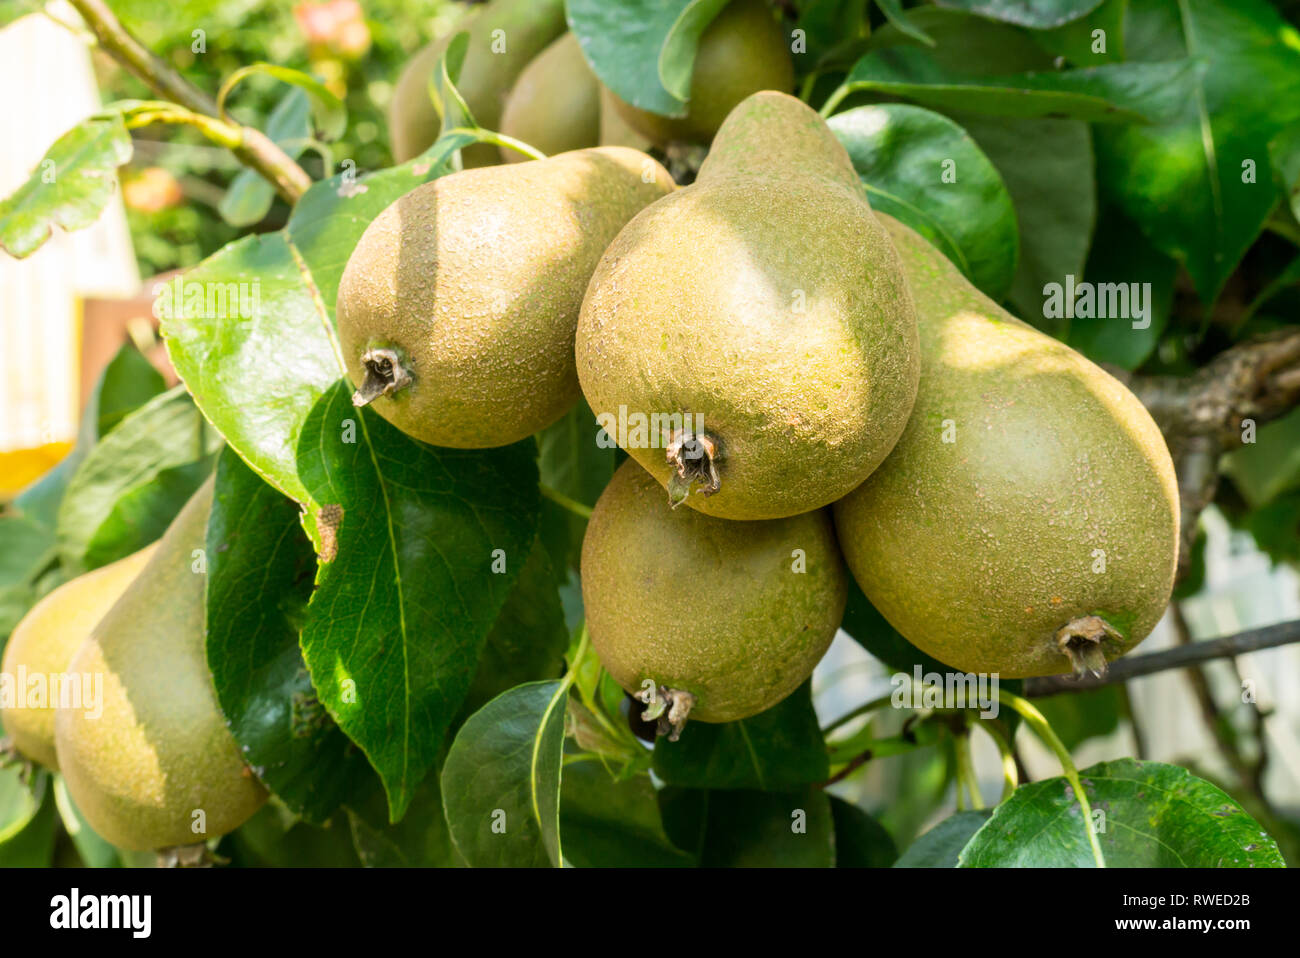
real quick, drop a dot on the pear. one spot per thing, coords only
(714, 620)
(614, 130)
(503, 37)
(555, 104)
(744, 50)
(45, 641)
(159, 767)
(1027, 521)
(457, 309)
(759, 321)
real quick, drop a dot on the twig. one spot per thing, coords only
(254, 148)
(1177, 658)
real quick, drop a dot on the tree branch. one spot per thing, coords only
(254, 149)
(1202, 415)
(1179, 657)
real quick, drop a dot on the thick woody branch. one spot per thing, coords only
(1202, 415)
(254, 149)
(1179, 657)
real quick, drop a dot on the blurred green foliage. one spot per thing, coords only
(357, 48)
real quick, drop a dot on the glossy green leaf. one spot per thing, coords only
(624, 43)
(1123, 269)
(501, 781)
(860, 840)
(273, 838)
(418, 561)
(250, 195)
(903, 21)
(1284, 152)
(829, 28)
(69, 187)
(870, 630)
(24, 543)
(613, 824)
(778, 749)
(924, 169)
(750, 829)
(1147, 815)
(256, 369)
(260, 571)
(1034, 14)
(130, 486)
(1198, 184)
(1112, 93)
(573, 464)
(941, 846)
(451, 106)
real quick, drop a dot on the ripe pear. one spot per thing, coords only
(714, 619)
(160, 753)
(503, 37)
(614, 130)
(744, 50)
(1027, 521)
(555, 104)
(765, 308)
(45, 641)
(457, 309)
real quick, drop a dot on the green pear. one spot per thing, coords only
(744, 50)
(555, 104)
(716, 620)
(614, 130)
(759, 321)
(156, 766)
(456, 311)
(503, 37)
(44, 642)
(1027, 521)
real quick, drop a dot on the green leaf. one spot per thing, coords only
(273, 838)
(925, 170)
(528, 638)
(573, 464)
(1122, 255)
(126, 383)
(329, 114)
(613, 824)
(257, 369)
(250, 195)
(1284, 153)
(860, 840)
(1149, 815)
(624, 43)
(829, 27)
(748, 829)
(260, 572)
(1270, 466)
(95, 851)
(25, 545)
(1034, 14)
(28, 820)
(893, 11)
(1078, 43)
(421, 840)
(416, 565)
(501, 781)
(127, 490)
(1112, 93)
(1184, 181)
(70, 186)
(778, 749)
(451, 106)
(941, 846)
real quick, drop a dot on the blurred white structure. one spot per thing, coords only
(46, 68)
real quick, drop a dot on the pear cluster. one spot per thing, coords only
(827, 395)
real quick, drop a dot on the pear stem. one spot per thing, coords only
(693, 460)
(572, 505)
(834, 100)
(385, 375)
